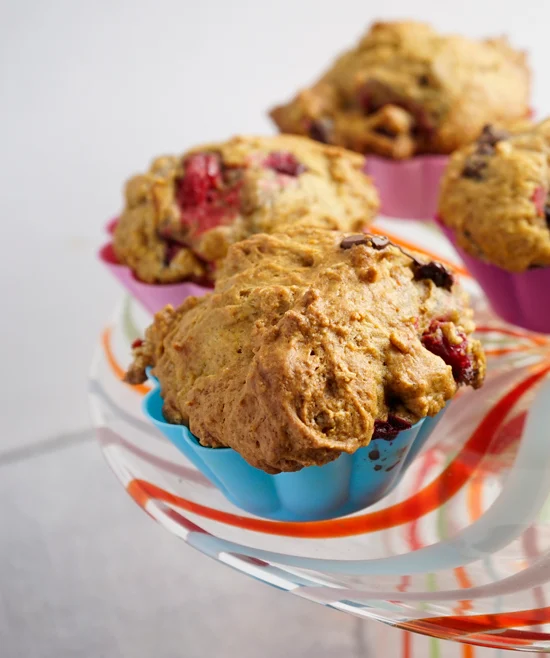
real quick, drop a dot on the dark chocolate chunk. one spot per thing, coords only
(384, 132)
(547, 215)
(320, 130)
(389, 429)
(484, 148)
(491, 135)
(424, 80)
(352, 240)
(434, 271)
(474, 169)
(379, 242)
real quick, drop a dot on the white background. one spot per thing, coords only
(90, 91)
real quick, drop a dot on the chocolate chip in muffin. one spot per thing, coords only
(484, 148)
(385, 132)
(321, 130)
(491, 135)
(379, 242)
(435, 272)
(423, 80)
(474, 168)
(390, 428)
(353, 240)
(547, 214)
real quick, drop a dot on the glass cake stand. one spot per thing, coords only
(460, 550)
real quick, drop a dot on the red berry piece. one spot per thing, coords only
(390, 428)
(172, 250)
(202, 178)
(539, 199)
(284, 162)
(455, 356)
(137, 343)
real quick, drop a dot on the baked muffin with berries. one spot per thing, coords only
(405, 89)
(312, 344)
(494, 197)
(181, 216)
(495, 207)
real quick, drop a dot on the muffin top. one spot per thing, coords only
(494, 196)
(181, 216)
(312, 343)
(405, 89)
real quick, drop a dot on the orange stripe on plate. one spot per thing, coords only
(468, 651)
(449, 482)
(407, 644)
(475, 491)
(507, 350)
(117, 370)
(474, 624)
(535, 338)
(465, 583)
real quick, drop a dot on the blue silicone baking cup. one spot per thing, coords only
(346, 485)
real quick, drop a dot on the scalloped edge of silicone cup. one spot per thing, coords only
(516, 297)
(346, 485)
(153, 297)
(408, 189)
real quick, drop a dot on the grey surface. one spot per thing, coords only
(84, 573)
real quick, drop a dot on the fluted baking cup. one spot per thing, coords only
(346, 485)
(518, 297)
(153, 297)
(408, 189)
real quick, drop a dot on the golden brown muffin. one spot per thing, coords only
(494, 196)
(312, 343)
(182, 215)
(405, 89)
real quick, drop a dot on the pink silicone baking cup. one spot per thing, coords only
(408, 189)
(518, 297)
(153, 297)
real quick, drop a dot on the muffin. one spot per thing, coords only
(181, 216)
(494, 207)
(404, 91)
(316, 348)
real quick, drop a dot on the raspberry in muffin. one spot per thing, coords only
(313, 343)
(495, 198)
(406, 90)
(181, 216)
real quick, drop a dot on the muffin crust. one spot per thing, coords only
(404, 90)
(312, 343)
(494, 196)
(181, 216)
